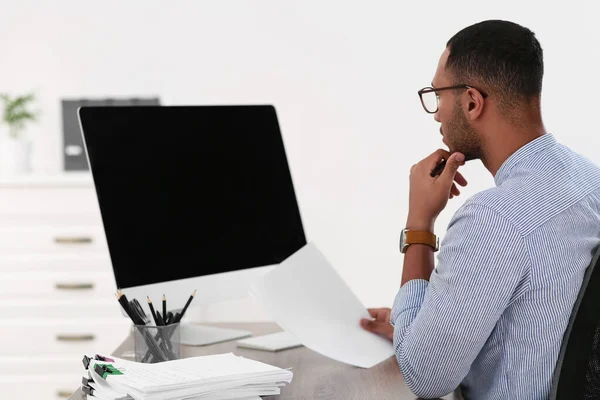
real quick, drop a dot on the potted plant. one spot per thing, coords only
(15, 146)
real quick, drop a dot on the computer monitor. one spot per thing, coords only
(191, 198)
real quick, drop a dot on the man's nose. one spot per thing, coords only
(436, 116)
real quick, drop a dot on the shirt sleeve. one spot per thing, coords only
(440, 326)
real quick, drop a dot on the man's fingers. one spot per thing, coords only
(460, 179)
(376, 327)
(380, 314)
(455, 161)
(435, 158)
(439, 154)
(454, 190)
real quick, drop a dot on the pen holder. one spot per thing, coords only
(157, 343)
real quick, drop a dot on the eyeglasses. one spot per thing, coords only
(430, 99)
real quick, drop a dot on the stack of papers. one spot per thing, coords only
(215, 377)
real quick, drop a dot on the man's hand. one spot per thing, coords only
(381, 323)
(429, 195)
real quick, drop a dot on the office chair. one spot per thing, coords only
(577, 371)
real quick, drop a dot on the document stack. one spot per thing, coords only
(214, 377)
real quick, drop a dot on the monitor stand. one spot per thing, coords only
(202, 335)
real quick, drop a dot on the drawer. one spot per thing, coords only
(20, 368)
(67, 263)
(47, 200)
(53, 239)
(60, 285)
(90, 218)
(44, 387)
(105, 307)
(36, 337)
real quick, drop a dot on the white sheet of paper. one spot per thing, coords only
(307, 298)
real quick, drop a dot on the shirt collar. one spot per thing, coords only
(524, 152)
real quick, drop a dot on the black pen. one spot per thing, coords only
(123, 301)
(159, 319)
(164, 314)
(438, 169)
(137, 309)
(138, 306)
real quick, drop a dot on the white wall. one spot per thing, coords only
(343, 76)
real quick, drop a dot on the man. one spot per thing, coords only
(491, 317)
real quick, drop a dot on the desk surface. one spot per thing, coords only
(315, 376)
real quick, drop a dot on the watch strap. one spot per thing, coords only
(422, 237)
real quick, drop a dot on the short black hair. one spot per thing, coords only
(502, 57)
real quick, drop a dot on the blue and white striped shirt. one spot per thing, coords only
(492, 316)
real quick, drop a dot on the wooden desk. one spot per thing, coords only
(315, 376)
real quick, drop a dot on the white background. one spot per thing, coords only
(343, 76)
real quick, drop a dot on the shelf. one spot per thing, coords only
(65, 179)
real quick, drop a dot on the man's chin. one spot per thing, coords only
(451, 148)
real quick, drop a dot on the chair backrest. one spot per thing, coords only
(577, 372)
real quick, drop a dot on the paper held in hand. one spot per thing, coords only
(307, 297)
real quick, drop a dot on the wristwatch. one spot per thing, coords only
(408, 237)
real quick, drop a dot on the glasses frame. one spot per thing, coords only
(430, 89)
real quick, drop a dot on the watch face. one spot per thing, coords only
(402, 240)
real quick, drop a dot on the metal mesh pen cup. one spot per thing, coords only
(157, 343)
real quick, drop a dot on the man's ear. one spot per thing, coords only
(474, 103)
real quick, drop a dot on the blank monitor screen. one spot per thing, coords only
(186, 191)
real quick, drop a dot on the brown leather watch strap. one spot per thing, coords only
(421, 237)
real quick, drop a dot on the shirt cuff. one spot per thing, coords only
(408, 302)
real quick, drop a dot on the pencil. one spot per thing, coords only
(186, 306)
(164, 304)
(152, 311)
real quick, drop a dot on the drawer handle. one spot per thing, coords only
(73, 286)
(73, 240)
(75, 338)
(64, 394)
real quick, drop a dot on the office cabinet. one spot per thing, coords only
(56, 285)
